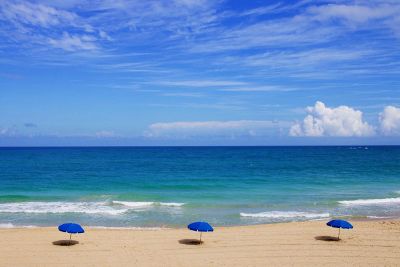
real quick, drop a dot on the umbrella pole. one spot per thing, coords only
(70, 238)
(338, 236)
(200, 237)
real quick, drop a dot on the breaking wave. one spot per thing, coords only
(110, 208)
(147, 204)
(285, 215)
(366, 202)
(10, 225)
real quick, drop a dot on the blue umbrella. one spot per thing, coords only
(200, 227)
(339, 224)
(71, 228)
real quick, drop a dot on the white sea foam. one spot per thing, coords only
(379, 217)
(147, 204)
(132, 204)
(60, 207)
(371, 202)
(113, 208)
(10, 225)
(172, 204)
(285, 215)
(6, 225)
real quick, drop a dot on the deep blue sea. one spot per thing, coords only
(172, 186)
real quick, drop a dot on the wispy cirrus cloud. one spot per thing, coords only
(310, 31)
(259, 88)
(215, 60)
(74, 42)
(188, 94)
(31, 14)
(316, 62)
(224, 86)
(311, 36)
(201, 83)
(356, 14)
(37, 24)
(310, 57)
(219, 105)
(262, 10)
(314, 24)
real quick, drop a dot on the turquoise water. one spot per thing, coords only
(172, 186)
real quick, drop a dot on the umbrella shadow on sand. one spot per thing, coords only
(326, 238)
(65, 242)
(190, 242)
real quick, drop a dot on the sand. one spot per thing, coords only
(370, 243)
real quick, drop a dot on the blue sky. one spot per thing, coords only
(201, 72)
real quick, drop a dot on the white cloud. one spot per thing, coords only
(368, 15)
(26, 16)
(180, 18)
(390, 121)
(74, 42)
(213, 128)
(201, 83)
(225, 85)
(325, 121)
(36, 14)
(39, 24)
(262, 10)
(184, 94)
(354, 13)
(311, 57)
(317, 23)
(264, 88)
(104, 35)
(284, 32)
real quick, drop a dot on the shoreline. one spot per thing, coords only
(370, 243)
(147, 228)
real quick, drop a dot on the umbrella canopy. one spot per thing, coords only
(71, 228)
(200, 227)
(340, 224)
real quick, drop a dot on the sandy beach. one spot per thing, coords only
(370, 243)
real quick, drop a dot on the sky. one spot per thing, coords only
(199, 72)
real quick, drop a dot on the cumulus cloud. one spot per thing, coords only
(213, 128)
(325, 121)
(390, 121)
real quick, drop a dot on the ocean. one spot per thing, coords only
(173, 186)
